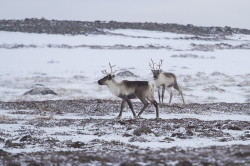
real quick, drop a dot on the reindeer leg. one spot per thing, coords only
(144, 101)
(156, 107)
(183, 101)
(122, 107)
(171, 95)
(163, 91)
(131, 106)
(176, 86)
(159, 94)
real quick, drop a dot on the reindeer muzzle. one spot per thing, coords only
(99, 82)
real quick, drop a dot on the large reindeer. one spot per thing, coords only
(164, 80)
(127, 90)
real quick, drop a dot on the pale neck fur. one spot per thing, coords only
(114, 87)
(163, 80)
(160, 80)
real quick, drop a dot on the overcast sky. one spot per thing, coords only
(234, 13)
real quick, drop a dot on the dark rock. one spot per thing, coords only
(10, 144)
(189, 133)
(223, 140)
(178, 135)
(244, 83)
(184, 163)
(121, 122)
(242, 154)
(26, 138)
(127, 135)
(213, 88)
(205, 163)
(126, 73)
(142, 130)
(40, 90)
(167, 139)
(186, 56)
(220, 46)
(129, 164)
(138, 139)
(1, 139)
(35, 163)
(3, 153)
(77, 144)
(233, 127)
(217, 74)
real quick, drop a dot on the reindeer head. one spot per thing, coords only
(156, 72)
(108, 77)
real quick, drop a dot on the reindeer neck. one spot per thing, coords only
(160, 80)
(114, 87)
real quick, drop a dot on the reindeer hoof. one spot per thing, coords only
(118, 117)
(138, 117)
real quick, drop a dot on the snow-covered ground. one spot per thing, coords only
(71, 65)
(27, 123)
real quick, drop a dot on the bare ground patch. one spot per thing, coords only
(86, 132)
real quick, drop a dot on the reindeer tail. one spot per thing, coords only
(176, 86)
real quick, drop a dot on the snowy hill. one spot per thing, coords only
(209, 68)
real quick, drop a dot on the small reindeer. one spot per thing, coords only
(127, 90)
(164, 80)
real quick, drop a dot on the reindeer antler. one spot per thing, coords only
(111, 71)
(160, 64)
(105, 72)
(152, 66)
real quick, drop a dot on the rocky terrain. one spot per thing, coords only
(83, 27)
(74, 125)
(86, 132)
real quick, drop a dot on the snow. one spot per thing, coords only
(116, 37)
(71, 132)
(73, 73)
(213, 76)
(209, 116)
(190, 143)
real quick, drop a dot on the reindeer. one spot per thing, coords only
(164, 80)
(127, 90)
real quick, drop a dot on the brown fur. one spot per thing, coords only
(169, 85)
(131, 84)
(170, 75)
(127, 90)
